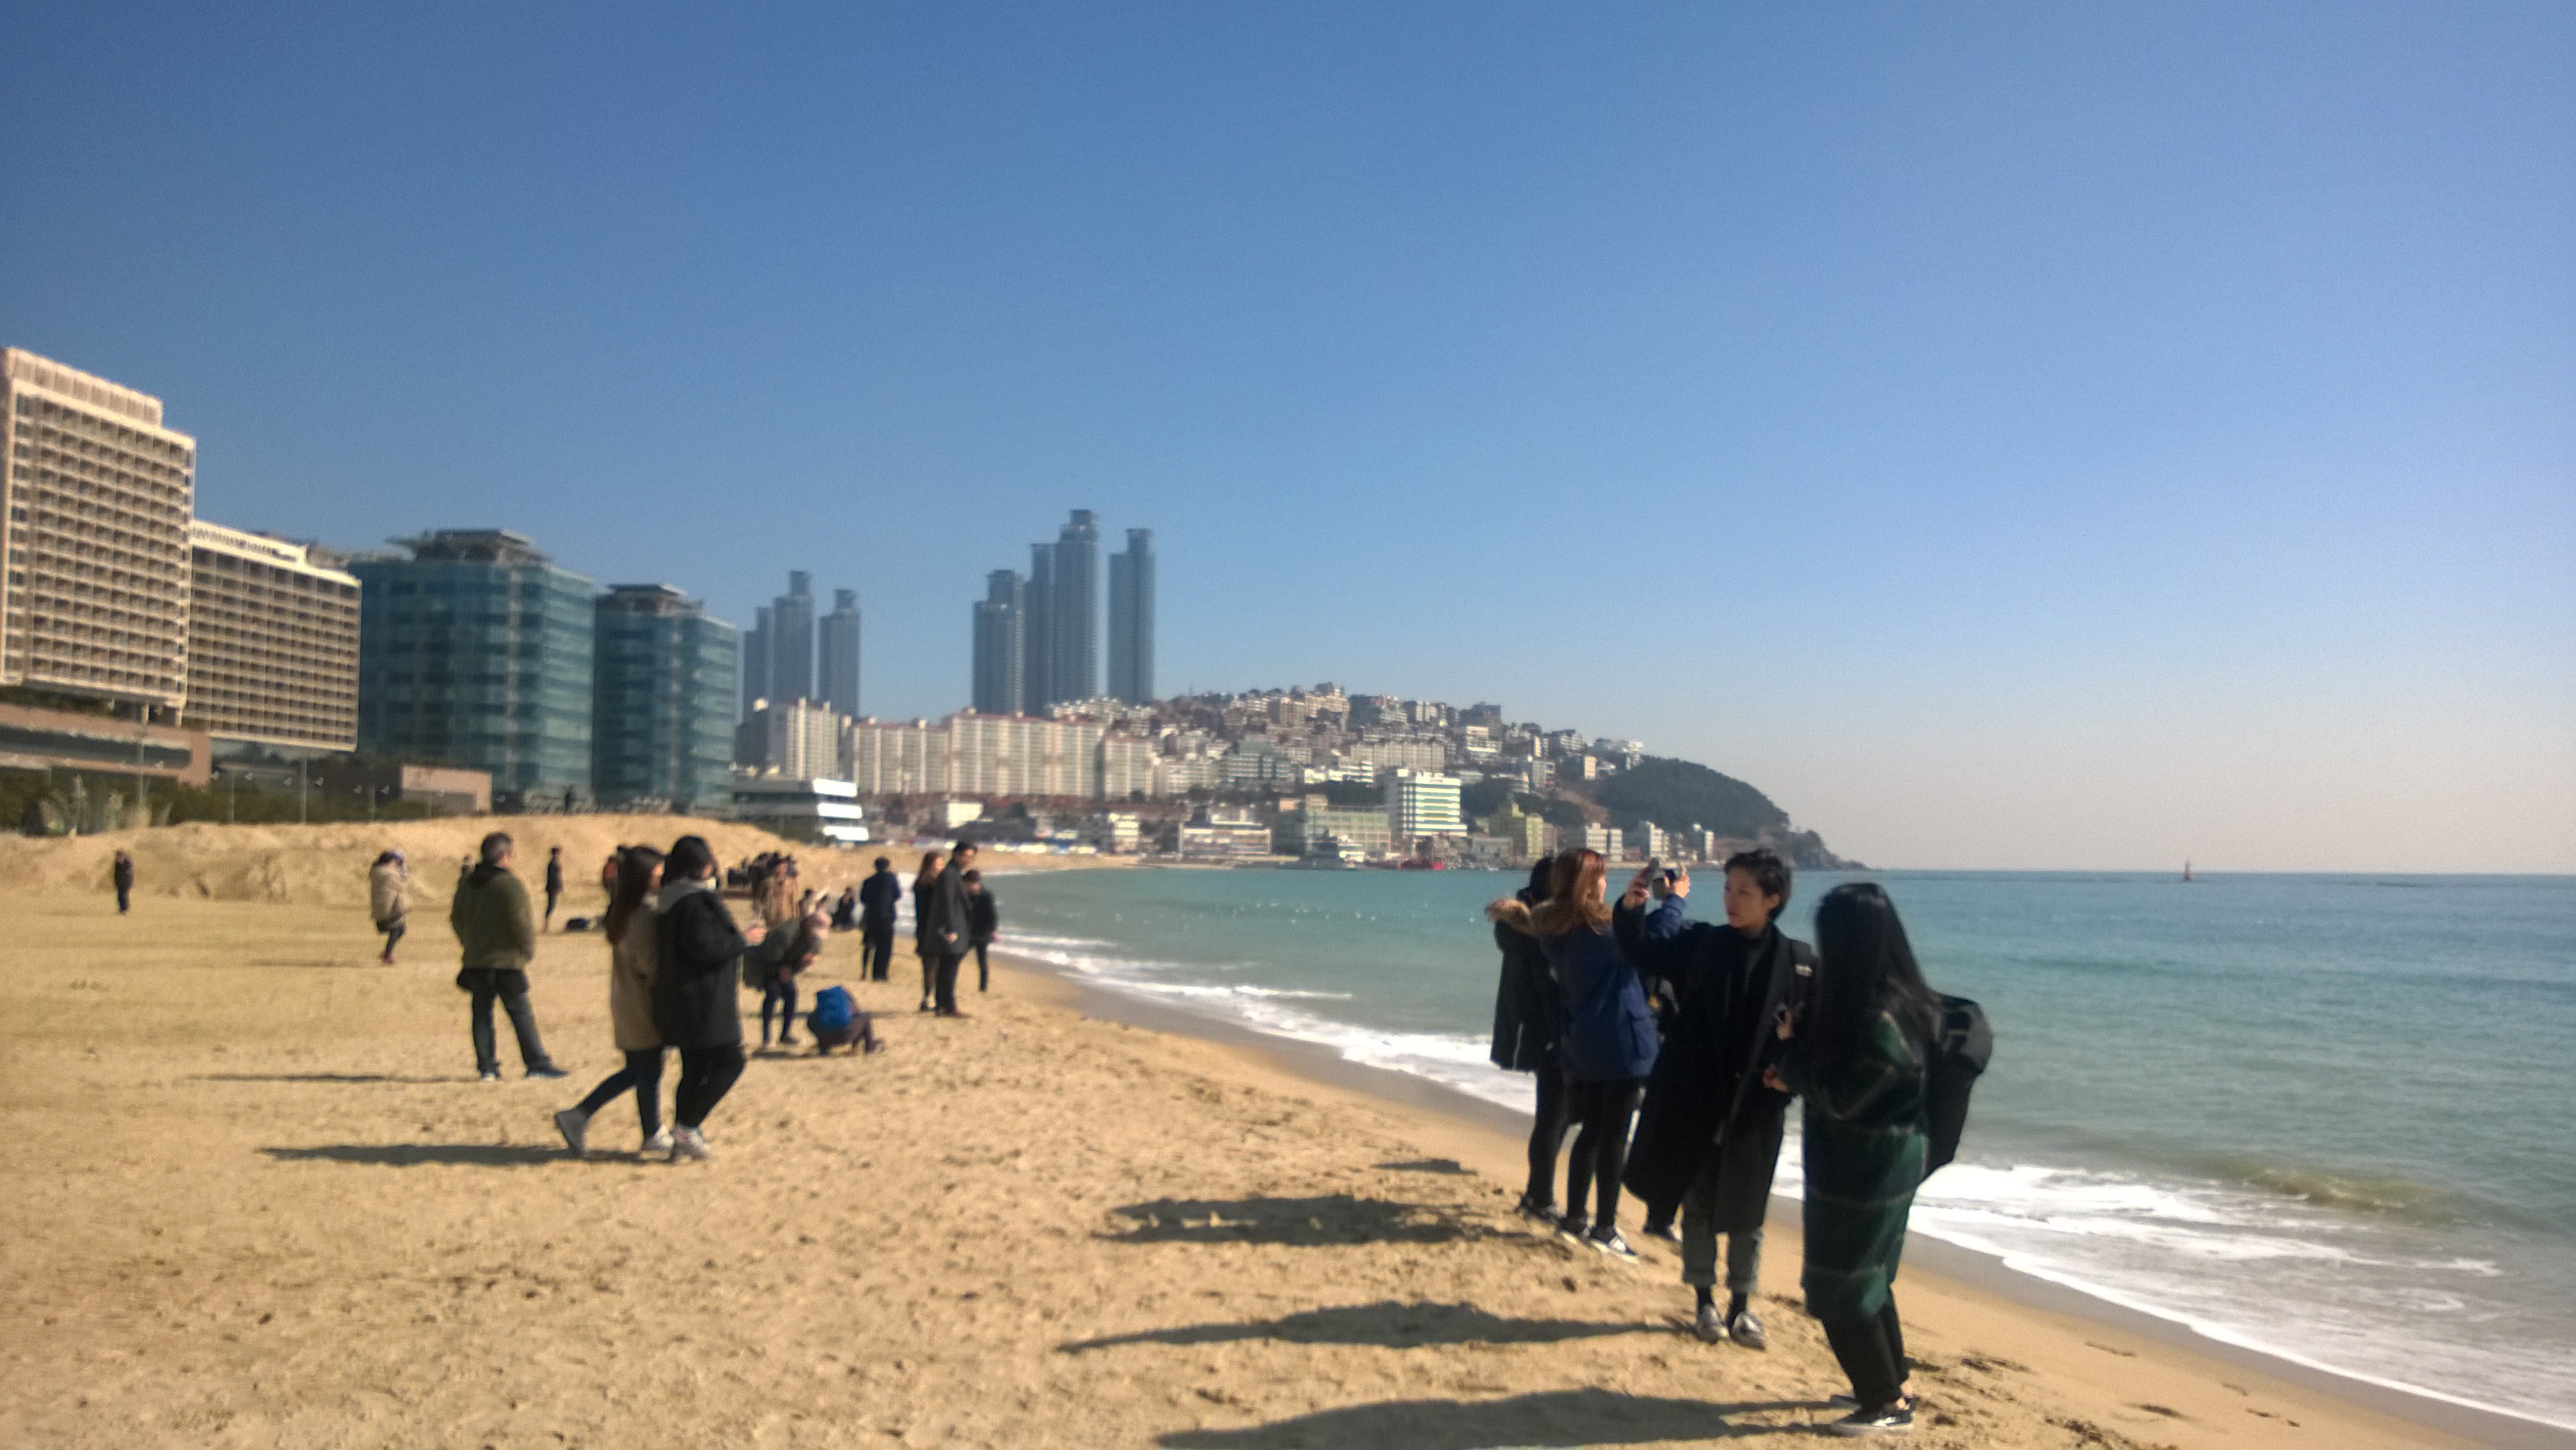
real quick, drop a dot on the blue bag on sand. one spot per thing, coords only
(832, 1011)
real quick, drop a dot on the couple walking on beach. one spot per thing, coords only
(952, 915)
(1752, 1018)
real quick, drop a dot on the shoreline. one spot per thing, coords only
(1951, 1270)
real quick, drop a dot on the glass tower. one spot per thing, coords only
(663, 678)
(1131, 619)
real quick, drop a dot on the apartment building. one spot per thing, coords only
(988, 756)
(1420, 804)
(272, 642)
(797, 738)
(95, 500)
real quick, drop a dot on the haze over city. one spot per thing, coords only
(2008, 437)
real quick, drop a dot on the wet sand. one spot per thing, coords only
(261, 1200)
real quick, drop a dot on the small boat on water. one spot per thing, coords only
(2186, 870)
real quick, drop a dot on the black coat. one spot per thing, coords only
(694, 1001)
(1526, 1014)
(1707, 1089)
(983, 916)
(879, 896)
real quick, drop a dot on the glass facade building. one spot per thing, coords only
(1131, 619)
(663, 681)
(476, 651)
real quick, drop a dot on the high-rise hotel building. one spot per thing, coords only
(272, 642)
(95, 500)
(1131, 620)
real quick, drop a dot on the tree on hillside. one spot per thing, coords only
(1679, 794)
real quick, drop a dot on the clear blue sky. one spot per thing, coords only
(2054, 435)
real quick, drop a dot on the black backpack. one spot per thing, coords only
(1962, 1044)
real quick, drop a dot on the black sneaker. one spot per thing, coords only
(1895, 1419)
(1572, 1228)
(1542, 1214)
(1664, 1233)
(1613, 1245)
(491, 1074)
(547, 1071)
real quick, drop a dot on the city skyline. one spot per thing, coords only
(2030, 437)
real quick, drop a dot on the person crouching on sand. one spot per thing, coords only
(1856, 1056)
(794, 948)
(386, 881)
(1709, 1137)
(696, 1005)
(1607, 1041)
(634, 948)
(1525, 1029)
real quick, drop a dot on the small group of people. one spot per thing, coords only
(1698, 1035)
(953, 915)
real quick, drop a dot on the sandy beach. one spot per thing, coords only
(261, 1200)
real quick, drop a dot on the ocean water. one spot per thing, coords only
(2329, 1117)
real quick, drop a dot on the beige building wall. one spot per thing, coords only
(272, 642)
(95, 499)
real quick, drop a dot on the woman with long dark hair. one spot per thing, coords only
(1856, 1057)
(694, 985)
(634, 949)
(922, 885)
(1525, 1031)
(1606, 1043)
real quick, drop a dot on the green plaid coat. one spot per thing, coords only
(1865, 1150)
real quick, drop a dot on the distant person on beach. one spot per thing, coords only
(1606, 1042)
(386, 883)
(951, 931)
(1525, 1032)
(496, 935)
(1856, 1055)
(634, 950)
(880, 897)
(1710, 1133)
(554, 881)
(922, 885)
(695, 1006)
(845, 910)
(122, 873)
(789, 952)
(983, 923)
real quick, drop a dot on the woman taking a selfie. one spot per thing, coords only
(1607, 1043)
(1856, 1056)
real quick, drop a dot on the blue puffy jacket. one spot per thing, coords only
(1609, 1032)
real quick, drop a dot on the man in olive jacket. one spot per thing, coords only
(497, 934)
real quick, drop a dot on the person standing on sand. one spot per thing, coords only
(554, 881)
(634, 950)
(952, 928)
(879, 898)
(497, 938)
(983, 923)
(608, 876)
(1856, 1056)
(122, 873)
(921, 889)
(1525, 1032)
(695, 1005)
(1710, 1134)
(386, 882)
(1606, 1043)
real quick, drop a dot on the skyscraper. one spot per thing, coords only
(837, 640)
(1131, 619)
(476, 651)
(95, 498)
(662, 699)
(1037, 632)
(1074, 616)
(1001, 645)
(755, 661)
(791, 640)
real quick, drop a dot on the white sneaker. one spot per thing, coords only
(574, 1124)
(687, 1145)
(660, 1142)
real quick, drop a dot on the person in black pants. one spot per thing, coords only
(1525, 1031)
(124, 875)
(947, 929)
(802, 944)
(694, 990)
(879, 897)
(1607, 1044)
(984, 922)
(554, 883)
(925, 885)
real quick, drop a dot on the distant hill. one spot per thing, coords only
(1680, 794)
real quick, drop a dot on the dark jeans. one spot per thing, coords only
(775, 995)
(551, 898)
(643, 1073)
(1872, 1354)
(393, 931)
(1547, 1135)
(124, 895)
(929, 956)
(983, 966)
(510, 986)
(1605, 1110)
(876, 952)
(706, 1075)
(943, 973)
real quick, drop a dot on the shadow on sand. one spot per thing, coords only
(1388, 1323)
(407, 1155)
(1424, 1165)
(1555, 1418)
(342, 1077)
(1336, 1218)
